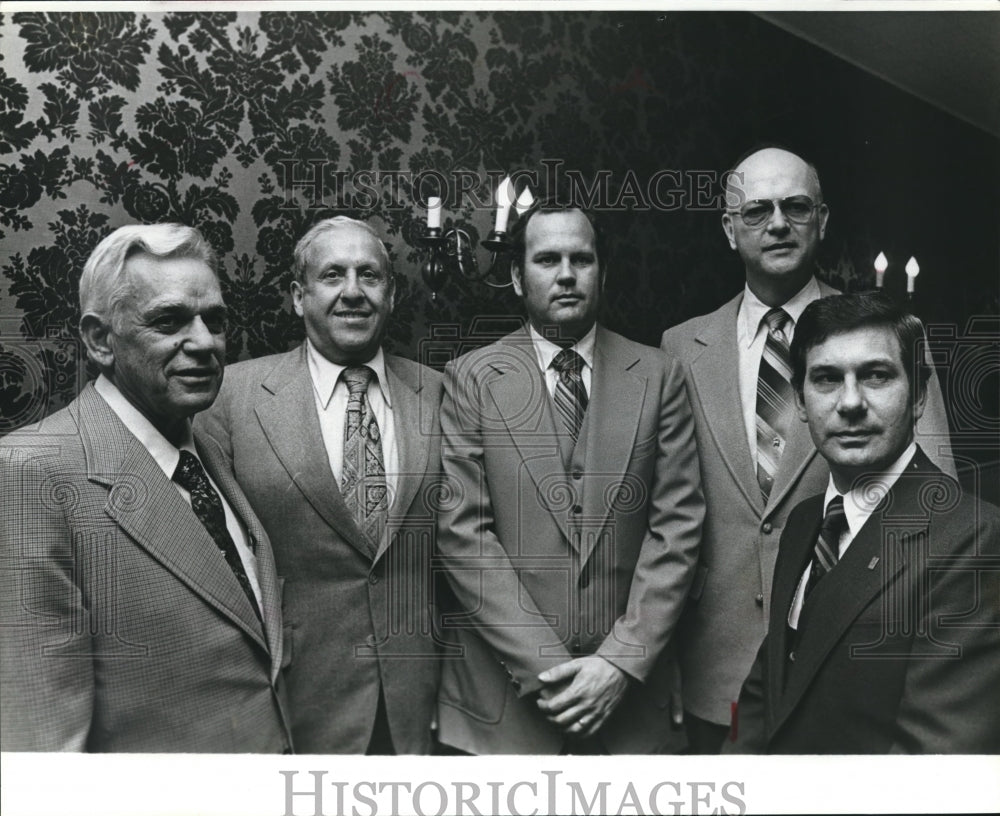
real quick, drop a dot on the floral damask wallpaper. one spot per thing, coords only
(253, 125)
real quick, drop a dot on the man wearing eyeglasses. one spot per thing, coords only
(757, 462)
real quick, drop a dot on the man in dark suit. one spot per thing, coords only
(756, 461)
(337, 446)
(139, 606)
(884, 629)
(574, 519)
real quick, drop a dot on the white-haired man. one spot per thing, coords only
(139, 605)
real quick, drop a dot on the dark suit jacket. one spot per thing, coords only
(122, 628)
(354, 623)
(726, 618)
(553, 562)
(898, 647)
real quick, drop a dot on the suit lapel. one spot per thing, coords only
(411, 414)
(522, 403)
(290, 423)
(714, 377)
(267, 579)
(148, 507)
(798, 541)
(616, 404)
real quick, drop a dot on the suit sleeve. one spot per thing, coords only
(669, 552)
(479, 568)
(951, 704)
(46, 668)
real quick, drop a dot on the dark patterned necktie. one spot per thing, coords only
(363, 480)
(826, 553)
(570, 395)
(774, 400)
(207, 506)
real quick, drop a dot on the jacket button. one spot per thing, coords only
(577, 475)
(759, 599)
(791, 657)
(767, 528)
(370, 641)
(577, 509)
(373, 579)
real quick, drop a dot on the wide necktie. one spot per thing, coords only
(570, 395)
(826, 553)
(363, 482)
(207, 506)
(774, 400)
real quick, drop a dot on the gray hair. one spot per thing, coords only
(330, 225)
(104, 284)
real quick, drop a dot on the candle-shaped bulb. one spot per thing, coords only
(912, 270)
(524, 201)
(434, 212)
(881, 264)
(505, 197)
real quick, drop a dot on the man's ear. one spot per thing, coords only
(800, 405)
(824, 215)
(96, 335)
(729, 228)
(296, 290)
(515, 278)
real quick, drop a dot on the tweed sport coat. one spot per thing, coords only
(123, 629)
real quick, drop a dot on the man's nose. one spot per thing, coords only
(352, 286)
(200, 338)
(777, 221)
(852, 397)
(567, 274)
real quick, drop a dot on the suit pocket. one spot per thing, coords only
(474, 683)
(698, 584)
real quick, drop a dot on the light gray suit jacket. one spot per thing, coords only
(121, 626)
(726, 618)
(355, 622)
(551, 562)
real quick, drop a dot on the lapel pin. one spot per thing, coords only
(872, 564)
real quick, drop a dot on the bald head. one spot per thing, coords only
(779, 253)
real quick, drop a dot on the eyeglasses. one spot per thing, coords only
(797, 209)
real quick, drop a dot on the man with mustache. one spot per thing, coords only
(756, 462)
(574, 516)
(139, 605)
(884, 629)
(337, 446)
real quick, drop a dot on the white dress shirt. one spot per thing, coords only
(546, 351)
(331, 395)
(751, 335)
(859, 503)
(167, 456)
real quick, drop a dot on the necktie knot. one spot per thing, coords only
(777, 320)
(826, 552)
(357, 378)
(567, 361)
(834, 522)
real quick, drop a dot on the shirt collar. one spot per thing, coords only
(753, 309)
(862, 499)
(546, 350)
(163, 452)
(325, 374)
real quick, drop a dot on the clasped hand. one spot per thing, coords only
(580, 694)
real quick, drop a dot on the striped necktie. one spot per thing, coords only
(826, 553)
(362, 482)
(774, 400)
(570, 396)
